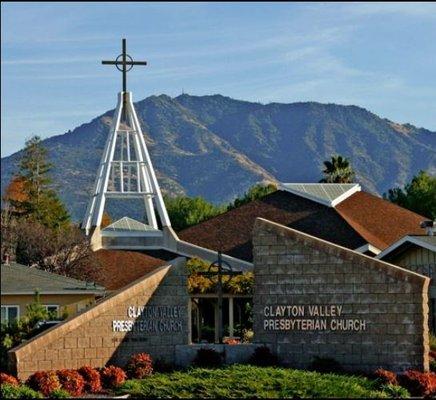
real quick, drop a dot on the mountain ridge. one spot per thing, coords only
(241, 143)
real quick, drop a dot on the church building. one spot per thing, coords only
(129, 248)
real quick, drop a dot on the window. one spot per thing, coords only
(52, 309)
(10, 313)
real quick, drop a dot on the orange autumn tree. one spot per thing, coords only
(15, 195)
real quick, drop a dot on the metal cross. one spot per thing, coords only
(224, 269)
(124, 63)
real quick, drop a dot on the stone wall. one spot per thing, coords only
(313, 298)
(114, 329)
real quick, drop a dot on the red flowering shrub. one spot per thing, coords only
(92, 379)
(112, 376)
(9, 379)
(44, 382)
(419, 383)
(139, 366)
(386, 377)
(71, 381)
(231, 341)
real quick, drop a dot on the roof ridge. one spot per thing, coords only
(363, 231)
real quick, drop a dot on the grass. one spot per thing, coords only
(245, 381)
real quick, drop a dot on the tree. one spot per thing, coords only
(30, 194)
(419, 195)
(255, 192)
(65, 252)
(188, 211)
(338, 170)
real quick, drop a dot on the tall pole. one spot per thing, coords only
(220, 298)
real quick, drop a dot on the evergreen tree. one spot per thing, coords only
(188, 211)
(338, 170)
(419, 195)
(254, 193)
(38, 201)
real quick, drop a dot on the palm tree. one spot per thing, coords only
(338, 170)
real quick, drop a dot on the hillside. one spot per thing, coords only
(217, 147)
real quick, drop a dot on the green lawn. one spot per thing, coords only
(261, 382)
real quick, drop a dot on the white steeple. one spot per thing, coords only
(126, 172)
(125, 169)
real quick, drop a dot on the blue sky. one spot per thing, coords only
(378, 56)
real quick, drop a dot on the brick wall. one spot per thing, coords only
(387, 305)
(90, 339)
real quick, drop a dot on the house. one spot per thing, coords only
(418, 254)
(59, 294)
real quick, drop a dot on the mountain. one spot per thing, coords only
(217, 147)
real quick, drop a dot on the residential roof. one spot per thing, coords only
(359, 219)
(424, 241)
(329, 194)
(127, 224)
(20, 279)
(379, 221)
(117, 268)
(232, 231)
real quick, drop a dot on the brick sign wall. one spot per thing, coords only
(313, 298)
(148, 315)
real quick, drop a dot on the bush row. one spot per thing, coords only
(422, 384)
(71, 382)
(416, 382)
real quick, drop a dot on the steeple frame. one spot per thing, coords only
(147, 187)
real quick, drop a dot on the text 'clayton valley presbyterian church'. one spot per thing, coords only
(321, 317)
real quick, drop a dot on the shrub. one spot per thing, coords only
(8, 391)
(263, 357)
(325, 365)
(247, 335)
(160, 365)
(249, 382)
(419, 383)
(385, 377)
(112, 376)
(8, 379)
(71, 381)
(433, 365)
(60, 394)
(208, 358)
(44, 382)
(92, 379)
(231, 341)
(139, 366)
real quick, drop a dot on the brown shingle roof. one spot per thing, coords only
(232, 231)
(379, 221)
(117, 268)
(361, 218)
